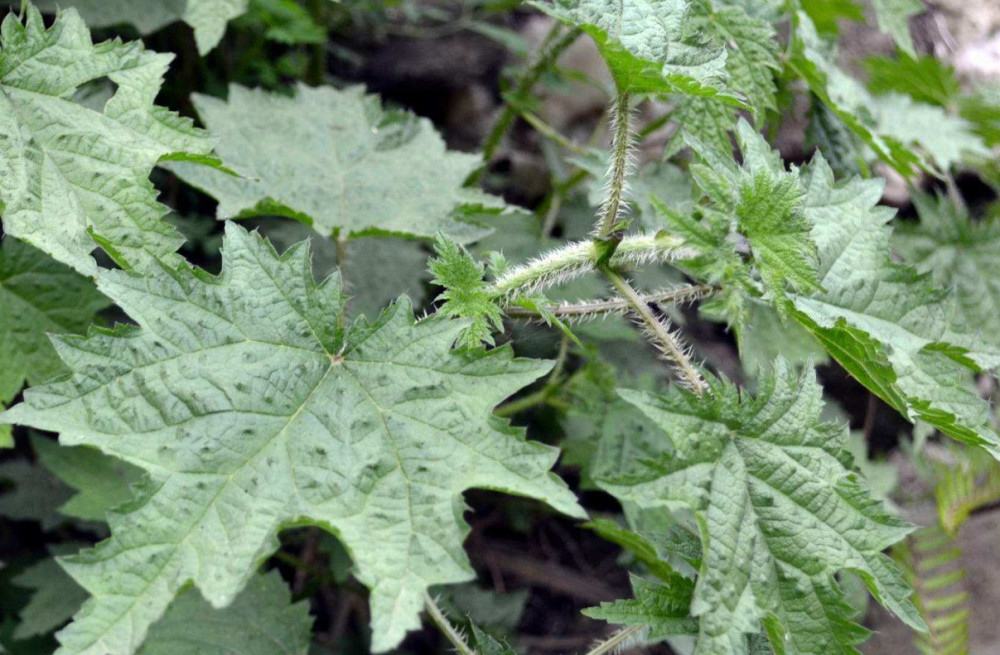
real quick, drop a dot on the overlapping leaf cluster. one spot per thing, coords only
(234, 406)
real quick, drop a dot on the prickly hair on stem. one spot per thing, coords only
(562, 265)
(614, 209)
(586, 310)
(621, 641)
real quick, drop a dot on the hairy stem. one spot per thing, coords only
(599, 308)
(616, 641)
(658, 331)
(613, 208)
(575, 259)
(447, 629)
(554, 44)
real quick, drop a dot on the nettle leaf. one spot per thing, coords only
(38, 296)
(252, 408)
(959, 254)
(73, 178)
(56, 597)
(664, 606)
(890, 327)
(649, 45)
(261, 621)
(906, 135)
(103, 483)
(466, 294)
(893, 19)
(780, 514)
(335, 159)
(208, 18)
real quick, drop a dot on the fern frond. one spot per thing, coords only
(932, 563)
(963, 489)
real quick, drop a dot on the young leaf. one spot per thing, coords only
(337, 160)
(74, 178)
(465, 293)
(649, 45)
(251, 408)
(890, 327)
(780, 513)
(208, 18)
(38, 296)
(665, 607)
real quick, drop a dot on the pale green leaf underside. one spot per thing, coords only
(72, 178)
(649, 45)
(893, 19)
(38, 296)
(779, 511)
(251, 410)
(892, 310)
(335, 159)
(208, 18)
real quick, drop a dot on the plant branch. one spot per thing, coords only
(551, 133)
(589, 309)
(556, 41)
(443, 624)
(622, 156)
(618, 640)
(561, 265)
(657, 329)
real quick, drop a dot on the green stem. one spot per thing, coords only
(613, 208)
(551, 133)
(554, 44)
(597, 308)
(317, 54)
(447, 629)
(572, 260)
(615, 641)
(658, 331)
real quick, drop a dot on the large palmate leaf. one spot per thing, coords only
(38, 296)
(208, 18)
(890, 327)
(780, 513)
(649, 45)
(252, 407)
(72, 178)
(335, 159)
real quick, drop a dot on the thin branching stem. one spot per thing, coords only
(622, 156)
(554, 44)
(446, 628)
(569, 262)
(617, 641)
(658, 331)
(587, 309)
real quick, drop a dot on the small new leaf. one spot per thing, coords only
(466, 294)
(663, 606)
